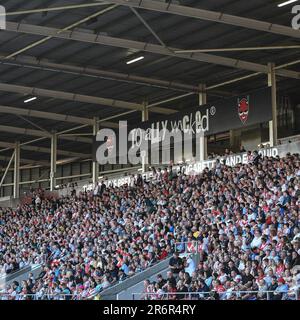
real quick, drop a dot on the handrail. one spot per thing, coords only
(222, 295)
(16, 273)
(115, 289)
(291, 293)
(43, 296)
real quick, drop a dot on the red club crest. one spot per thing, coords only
(243, 109)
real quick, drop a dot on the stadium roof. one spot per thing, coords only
(73, 57)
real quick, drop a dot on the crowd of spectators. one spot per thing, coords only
(244, 223)
(245, 220)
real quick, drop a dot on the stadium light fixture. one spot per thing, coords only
(135, 60)
(30, 99)
(286, 3)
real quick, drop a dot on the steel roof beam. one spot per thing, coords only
(143, 46)
(146, 24)
(45, 64)
(110, 124)
(78, 97)
(39, 133)
(51, 9)
(53, 116)
(45, 115)
(25, 131)
(26, 161)
(69, 27)
(208, 15)
(44, 150)
(69, 96)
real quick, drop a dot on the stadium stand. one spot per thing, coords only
(149, 150)
(244, 219)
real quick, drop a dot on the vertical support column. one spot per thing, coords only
(95, 165)
(235, 136)
(7, 168)
(145, 112)
(53, 161)
(17, 171)
(145, 117)
(273, 122)
(203, 139)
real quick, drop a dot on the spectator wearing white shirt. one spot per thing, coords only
(190, 265)
(256, 242)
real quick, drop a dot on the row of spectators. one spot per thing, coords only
(227, 152)
(245, 219)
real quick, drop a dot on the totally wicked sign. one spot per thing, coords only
(192, 123)
(226, 114)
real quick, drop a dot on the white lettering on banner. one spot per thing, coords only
(269, 152)
(198, 167)
(118, 182)
(192, 123)
(234, 160)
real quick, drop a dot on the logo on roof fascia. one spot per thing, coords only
(243, 108)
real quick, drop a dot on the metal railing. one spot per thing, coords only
(48, 296)
(292, 294)
(112, 292)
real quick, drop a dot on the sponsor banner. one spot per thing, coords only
(198, 167)
(168, 132)
(117, 182)
(234, 159)
(224, 115)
